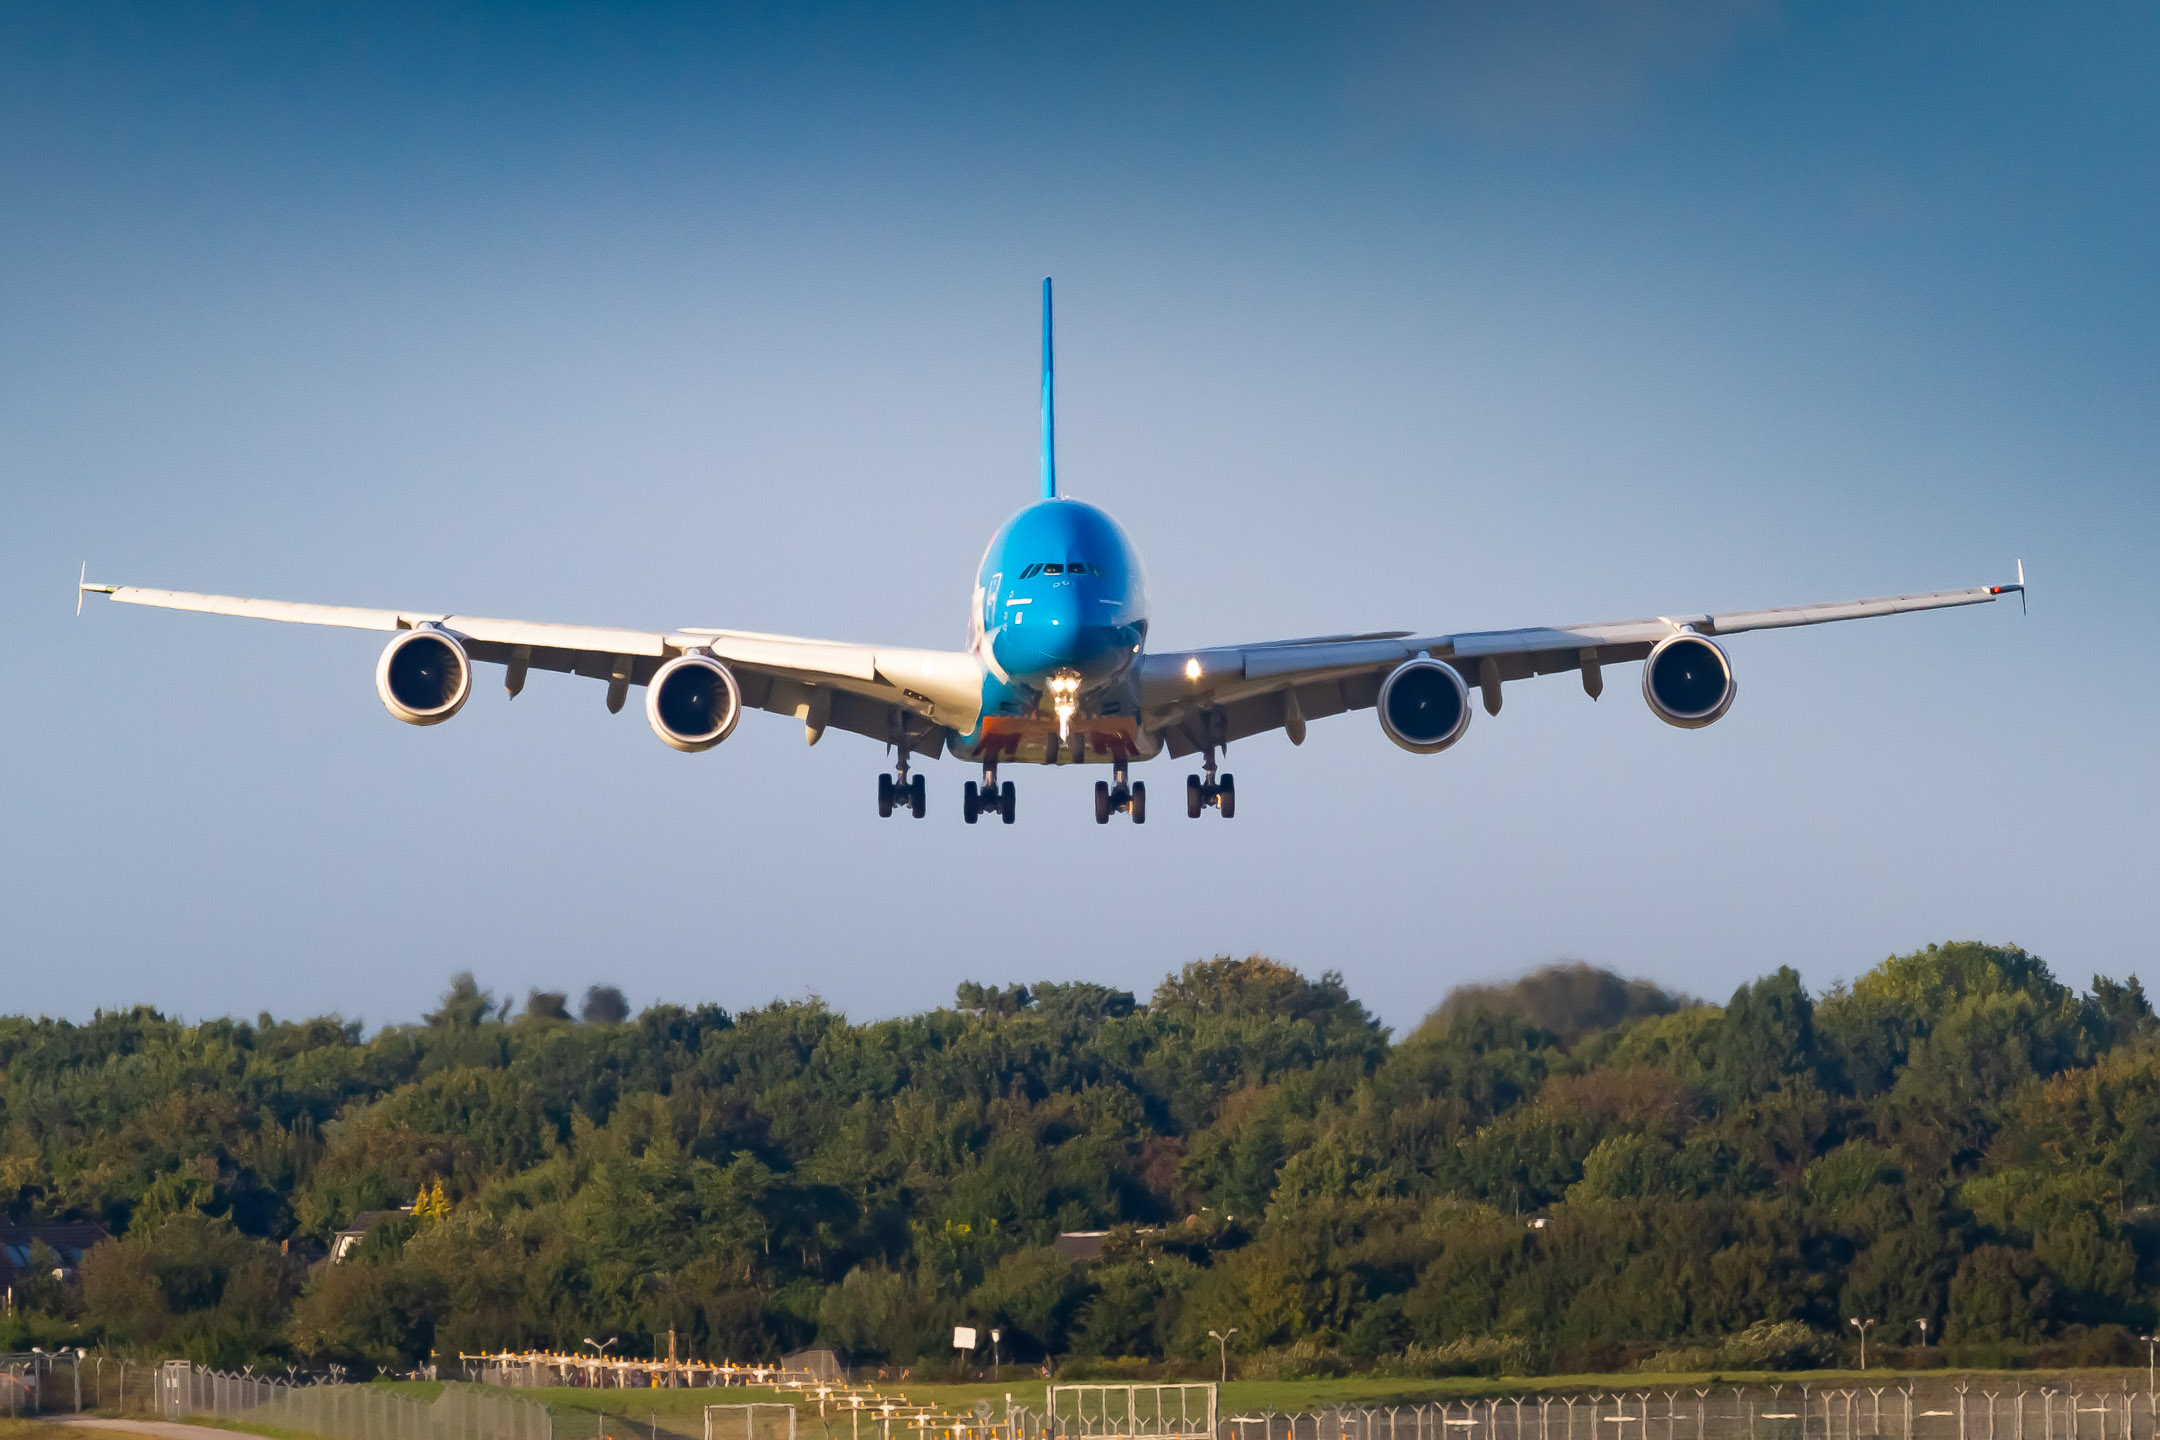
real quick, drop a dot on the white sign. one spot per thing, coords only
(963, 1337)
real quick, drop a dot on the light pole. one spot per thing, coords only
(599, 1354)
(1923, 1334)
(2152, 1342)
(1222, 1340)
(995, 1336)
(1863, 1326)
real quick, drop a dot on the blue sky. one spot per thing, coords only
(1370, 316)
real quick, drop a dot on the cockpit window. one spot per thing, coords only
(1024, 574)
(1053, 569)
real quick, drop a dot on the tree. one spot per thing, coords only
(604, 1005)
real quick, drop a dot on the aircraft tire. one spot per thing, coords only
(970, 806)
(1102, 802)
(1139, 802)
(1005, 802)
(918, 796)
(1226, 798)
(884, 797)
(1192, 796)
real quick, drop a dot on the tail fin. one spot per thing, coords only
(1049, 405)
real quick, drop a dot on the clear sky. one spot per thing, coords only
(1370, 316)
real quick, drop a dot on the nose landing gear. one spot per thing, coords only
(1201, 794)
(1115, 797)
(990, 797)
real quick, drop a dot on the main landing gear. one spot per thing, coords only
(1116, 797)
(1200, 794)
(908, 794)
(988, 798)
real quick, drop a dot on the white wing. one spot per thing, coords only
(910, 697)
(1227, 693)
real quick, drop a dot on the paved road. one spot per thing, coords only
(163, 1429)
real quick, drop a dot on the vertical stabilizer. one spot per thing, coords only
(1049, 405)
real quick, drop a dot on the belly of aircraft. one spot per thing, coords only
(1034, 740)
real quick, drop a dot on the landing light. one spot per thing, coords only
(1064, 696)
(1192, 668)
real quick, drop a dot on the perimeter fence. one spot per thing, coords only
(349, 1412)
(1992, 1407)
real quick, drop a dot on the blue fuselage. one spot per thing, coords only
(1060, 618)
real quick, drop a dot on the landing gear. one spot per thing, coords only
(1201, 794)
(989, 797)
(1114, 797)
(909, 794)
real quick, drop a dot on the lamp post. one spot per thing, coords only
(1863, 1326)
(599, 1354)
(1923, 1334)
(1222, 1340)
(2152, 1342)
(995, 1336)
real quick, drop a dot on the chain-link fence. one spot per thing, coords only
(1992, 1407)
(349, 1412)
(50, 1382)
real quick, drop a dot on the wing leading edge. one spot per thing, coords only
(1213, 696)
(906, 697)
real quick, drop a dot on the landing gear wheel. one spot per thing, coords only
(970, 803)
(1139, 802)
(1005, 802)
(884, 797)
(1102, 802)
(1226, 799)
(1194, 797)
(918, 795)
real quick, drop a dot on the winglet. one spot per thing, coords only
(83, 587)
(1049, 405)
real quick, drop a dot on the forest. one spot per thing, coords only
(1569, 1172)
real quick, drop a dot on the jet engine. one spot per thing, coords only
(1688, 681)
(423, 677)
(693, 702)
(1424, 706)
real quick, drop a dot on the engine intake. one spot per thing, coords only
(1687, 681)
(693, 702)
(1424, 706)
(423, 677)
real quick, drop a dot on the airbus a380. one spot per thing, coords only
(1056, 671)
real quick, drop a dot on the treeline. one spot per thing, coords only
(1573, 1171)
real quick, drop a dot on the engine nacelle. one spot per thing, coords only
(693, 702)
(423, 677)
(1687, 681)
(1424, 706)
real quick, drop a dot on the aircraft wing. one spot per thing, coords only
(894, 695)
(1195, 697)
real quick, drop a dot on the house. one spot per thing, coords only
(1080, 1244)
(343, 1241)
(68, 1240)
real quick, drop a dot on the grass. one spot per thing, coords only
(30, 1429)
(627, 1414)
(645, 1414)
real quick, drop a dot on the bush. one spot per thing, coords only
(1305, 1359)
(1470, 1355)
(1765, 1345)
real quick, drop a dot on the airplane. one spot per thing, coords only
(1056, 669)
